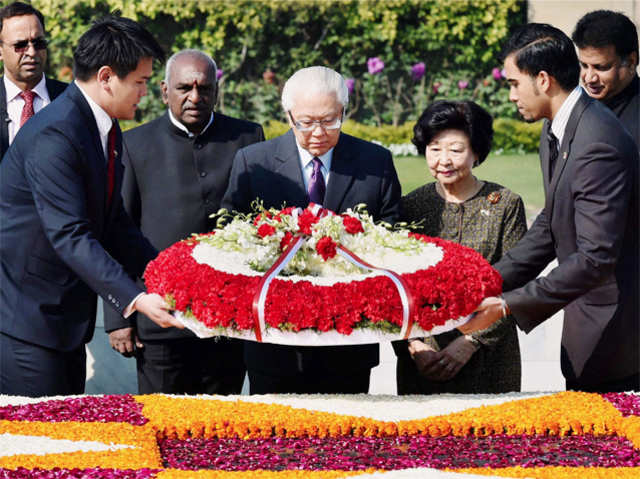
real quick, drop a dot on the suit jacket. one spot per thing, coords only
(590, 224)
(626, 105)
(361, 172)
(172, 183)
(54, 87)
(60, 243)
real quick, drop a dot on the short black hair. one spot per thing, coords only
(114, 41)
(602, 28)
(17, 9)
(465, 116)
(541, 47)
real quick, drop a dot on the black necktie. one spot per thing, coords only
(553, 152)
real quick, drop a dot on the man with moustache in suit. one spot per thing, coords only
(313, 162)
(589, 222)
(608, 54)
(64, 234)
(176, 171)
(24, 89)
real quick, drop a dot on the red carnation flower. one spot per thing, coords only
(265, 230)
(286, 239)
(306, 220)
(326, 248)
(352, 225)
(264, 215)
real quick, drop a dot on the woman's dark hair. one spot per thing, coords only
(465, 116)
(602, 28)
(117, 42)
(539, 46)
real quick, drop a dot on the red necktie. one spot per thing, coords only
(111, 166)
(27, 109)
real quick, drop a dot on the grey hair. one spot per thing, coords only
(313, 81)
(192, 52)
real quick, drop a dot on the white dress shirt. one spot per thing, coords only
(306, 164)
(15, 103)
(559, 123)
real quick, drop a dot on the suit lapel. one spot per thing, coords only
(565, 147)
(544, 156)
(342, 175)
(286, 162)
(54, 88)
(4, 119)
(97, 159)
(79, 100)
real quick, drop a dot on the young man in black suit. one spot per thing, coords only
(24, 89)
(176, 171)
(313, 161)
(589, 222)
(608, 53)
(64, 234)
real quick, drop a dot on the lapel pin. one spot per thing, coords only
(564, 155)
(493, 197)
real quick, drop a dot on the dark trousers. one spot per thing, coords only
(30, 370)
(191, 366)
(356, 382)
(630, 383)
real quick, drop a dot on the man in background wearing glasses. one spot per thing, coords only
(313, 162)
(24, 90)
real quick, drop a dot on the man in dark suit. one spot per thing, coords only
(608, 53)
(24, 90)
(64, 234)
(315, 162)
(176, 171)
(589, 222)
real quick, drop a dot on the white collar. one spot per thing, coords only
(306, 157)
(180, 126)
(103, 120)
(559, 123)
(13, 90)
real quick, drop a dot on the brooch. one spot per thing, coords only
(493, 197)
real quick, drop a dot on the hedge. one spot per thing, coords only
(509, 135)
(259, 43)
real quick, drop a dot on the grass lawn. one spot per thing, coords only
(520, 173)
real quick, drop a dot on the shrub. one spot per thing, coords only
(259, 43)
(515, 135)
(274, 128)
(509, 135)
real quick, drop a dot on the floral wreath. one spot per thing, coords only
(214, 279)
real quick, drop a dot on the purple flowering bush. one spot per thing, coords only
(388, 91)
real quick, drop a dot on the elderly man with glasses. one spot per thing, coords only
(24, 90)
(313, 162)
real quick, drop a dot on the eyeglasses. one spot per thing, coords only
(23, 45)
(310, 125)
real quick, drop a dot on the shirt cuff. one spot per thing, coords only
(129, 310)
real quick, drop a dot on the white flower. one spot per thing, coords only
(377, 245)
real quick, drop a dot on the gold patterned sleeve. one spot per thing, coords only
(514, 226)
